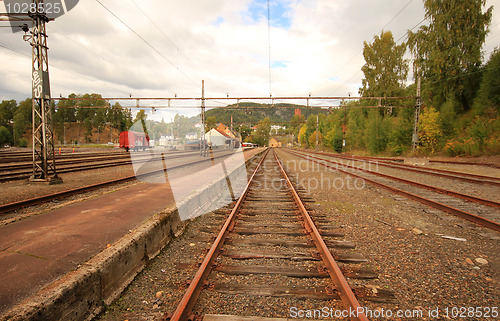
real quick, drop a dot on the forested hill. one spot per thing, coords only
(251, 113)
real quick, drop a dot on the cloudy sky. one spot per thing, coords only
(153, 48)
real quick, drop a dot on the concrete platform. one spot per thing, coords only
(67, 263)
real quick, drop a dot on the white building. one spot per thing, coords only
(217, 138)
(166, 141)
(275, 128)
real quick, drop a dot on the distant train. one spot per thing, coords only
(134, 140)
(248, 145)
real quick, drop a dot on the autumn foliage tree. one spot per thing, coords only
(429, 130)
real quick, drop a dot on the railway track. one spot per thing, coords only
(270, 247)
(400, 160)
(15, 157)
(470, 178)
(6, 208)
(480, 211)
(9, 172)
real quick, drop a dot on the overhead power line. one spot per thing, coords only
(397, 14)
(52, 65)
(175, 46)
(361, 50)
(147, 43)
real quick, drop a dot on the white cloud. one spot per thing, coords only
(320, 52)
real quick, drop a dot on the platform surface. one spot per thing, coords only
(38, 250)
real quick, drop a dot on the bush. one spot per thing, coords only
(378, 129)
(23, 142)
(5, 136)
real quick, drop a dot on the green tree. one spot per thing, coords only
(210, 122)
(296, 123)
(377, 132)
(487, 101)
(65, 112)
(22, 118)
(261, 134)
(355, 131)
(448, 51)
(5, 136)
(245, 131)
(7, 110)
(141, 115)
(86, 113)
(120, 118)
(385, 69)
(100, 121)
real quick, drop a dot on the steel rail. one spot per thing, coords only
(473, 178)
(347, 296)
(469, 198)
(191, 295)
(463, 163)
(42, 199)
(95, 164)
(432, 161)
(445, 208)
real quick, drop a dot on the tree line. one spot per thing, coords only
(460, 93)
(90, 111)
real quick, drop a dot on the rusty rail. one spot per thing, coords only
(9, 207)
(445, 208)
(348, 298)
(189, 299)
(183, 311)
(467, 177)
(428, 187)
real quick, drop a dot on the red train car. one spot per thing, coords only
(133, 140)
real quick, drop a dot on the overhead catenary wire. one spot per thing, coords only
(148, 44)
(361, 50)
(52, 65)
(403, 36)
(176, 47)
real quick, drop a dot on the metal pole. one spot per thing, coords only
(344, 129)
(417, 115)
(317, 131)
(232, 139)
(43, 135)
(203, 150)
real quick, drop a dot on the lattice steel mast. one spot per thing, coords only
(44, 166)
